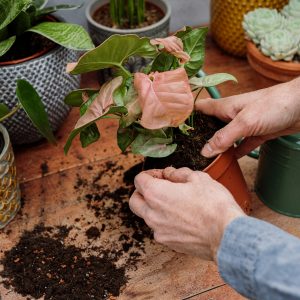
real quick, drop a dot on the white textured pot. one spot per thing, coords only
(10, 196)
(99, 32)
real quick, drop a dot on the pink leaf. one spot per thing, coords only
(101, 103)
(166, 98)
(173, 45)
(71, 67)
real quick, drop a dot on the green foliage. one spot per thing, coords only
(19, 16)
(126, 107)
(114, 52)
(127, 11)
(31, 103)
(34, 108)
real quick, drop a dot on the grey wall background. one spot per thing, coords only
(184, 12)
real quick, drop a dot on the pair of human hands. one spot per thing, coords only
(189, 211)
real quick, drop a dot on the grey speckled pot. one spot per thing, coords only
(47, 74)
(99, 33)
(10, 196)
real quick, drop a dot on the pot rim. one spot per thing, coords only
(35, 55)
(6, 141)
(89, 12)
(265, 60)
(224, 159)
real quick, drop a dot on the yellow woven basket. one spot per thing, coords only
(226, 21)
(9, 187)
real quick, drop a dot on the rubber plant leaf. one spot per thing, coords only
(194, 46)
(174, 46)
(76, 97)
(71, 36)
(4, 110)
(9, 10)
(34, 108)
(101, 103)
(40, 4)
(153, 146)
(113, 53)
(211, 80)
(89, 135)
(52, 9)
(125, 137)
(166, 98)
(6, 45)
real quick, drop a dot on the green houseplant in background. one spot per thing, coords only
(144, 18)
(35, 46)
(155, 106)
(274, 41)
(31, 103)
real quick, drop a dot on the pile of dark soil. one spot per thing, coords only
(153, 14)
(41, 265)
(188, 149)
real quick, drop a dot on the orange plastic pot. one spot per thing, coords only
(226, 170)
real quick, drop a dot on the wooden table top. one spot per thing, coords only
(52, 197)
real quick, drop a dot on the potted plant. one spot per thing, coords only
(31, 104)
(273, 46)
(35, 46)
(155, 108)
(144, 18)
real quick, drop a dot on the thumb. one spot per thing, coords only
(177, 175)
(224, 138)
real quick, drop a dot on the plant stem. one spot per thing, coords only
(12, 112)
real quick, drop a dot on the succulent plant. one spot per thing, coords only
(292, 10)
(279, 44)
(259, 22)
(293, 25)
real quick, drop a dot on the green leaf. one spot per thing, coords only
(89, 135)
(113, 53)
(194, 46)
(34, 108)
(75, 97)
(184, 128)
(40, 4)
(211, 80)
(6, 45)
(9, 10)
(153, 146)
(4, 110)
(125, 137)
(52, 9)
(164, 62)
(71, 36)
(20, 24)
(182, 32)
(75, 132)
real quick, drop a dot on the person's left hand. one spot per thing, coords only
(187, 210)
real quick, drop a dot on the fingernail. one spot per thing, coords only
(207, 151)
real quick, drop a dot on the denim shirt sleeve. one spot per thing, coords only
(259, 260)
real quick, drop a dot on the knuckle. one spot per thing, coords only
(159, 238)
(220, 139)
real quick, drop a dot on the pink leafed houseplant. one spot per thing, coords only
(155, 106)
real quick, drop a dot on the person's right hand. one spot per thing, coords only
(257, 117)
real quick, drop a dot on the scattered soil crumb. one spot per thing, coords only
(44, 168)
(92, 233)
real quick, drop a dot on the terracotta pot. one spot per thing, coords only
(226, 170)
(277, 70)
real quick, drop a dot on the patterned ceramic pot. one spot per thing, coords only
(226, 21)
(10, 197)
(46, 73)
(100, 33)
